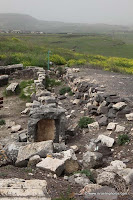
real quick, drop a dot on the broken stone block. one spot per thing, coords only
(11, 150)
(58, 147)
(123, 112)
(49, 100)
(15, 128)
(71, 166)
(26, 111)
(76, 101)
(3, 80)
(102, 193)
(103, 120)
(119, 165)
(80, 179)
(23, 189)
(3, 158)
(127, 175)
(29, 105)
(129, 117)
(103, 109)
(34, 160)
(92, 159)
(119, 106)
(23, 136)
(106, 178)
(108, 141)
(38, 148)
(120, 129)
(111, 126)
(53, 165)
(112, 113)
(94, 126)
(74, 148)
(13, 88)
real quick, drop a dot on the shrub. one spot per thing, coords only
(2, 122)
(64, 90)
(84, 121)
(61, 70)
(71, 63)
(15, 39)
(122, 139)
(51, 82)
(58, 60)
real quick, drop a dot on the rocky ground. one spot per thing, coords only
(117, 175)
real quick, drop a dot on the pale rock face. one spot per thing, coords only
(105, 140)
(92, 159)
(106, 178)
(129, 117)
(111, 126)
(126, 174)
(26, 111)
(53, 165)
(15, 128)
(120, 128)
(33, 161)
(25, 188)
(118, 164)
(94, 126)
(66, 155)
(76, 101)
(75, 148)
(12, 88)
(37, 148)
(80, 179)
(119, 106)
(29, 105)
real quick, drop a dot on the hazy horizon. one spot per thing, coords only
(113, 12)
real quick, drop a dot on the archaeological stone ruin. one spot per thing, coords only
(55, 147)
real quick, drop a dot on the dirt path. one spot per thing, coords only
(11, 111)
(113, 82)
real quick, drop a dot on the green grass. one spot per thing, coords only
(84, 121)
(65, 90)
(110, 52)
(123, 139)
(51, 83)
(29, 87)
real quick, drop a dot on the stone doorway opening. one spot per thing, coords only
(46, 130)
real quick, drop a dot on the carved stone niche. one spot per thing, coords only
(46, 123)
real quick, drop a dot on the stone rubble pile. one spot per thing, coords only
(53, 156)
(103, 106)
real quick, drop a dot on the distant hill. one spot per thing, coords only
(27, 23)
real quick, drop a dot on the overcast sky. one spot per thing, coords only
(88, 11)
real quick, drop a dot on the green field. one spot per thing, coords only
(112, 52)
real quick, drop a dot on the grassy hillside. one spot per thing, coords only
(28, 23)
(112, 52)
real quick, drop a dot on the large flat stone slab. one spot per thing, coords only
(53, 165)
(37, 148)
(23, 189)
